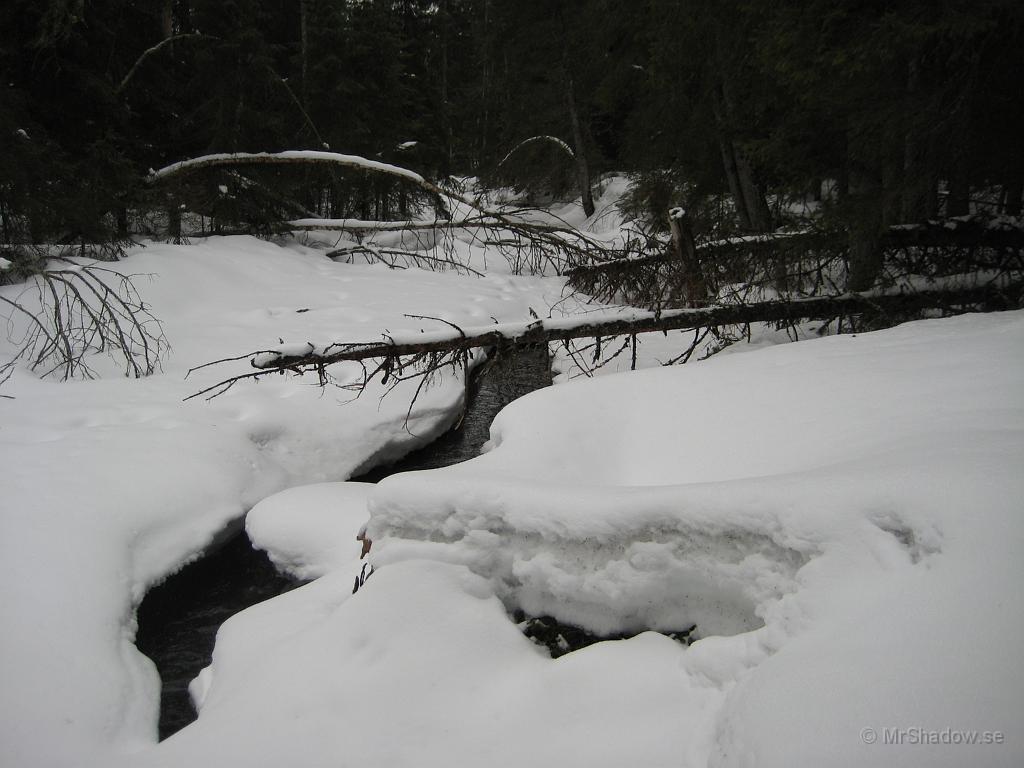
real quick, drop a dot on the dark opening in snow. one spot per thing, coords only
(178, 620)
(560, 638)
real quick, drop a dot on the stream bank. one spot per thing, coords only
(178, 619)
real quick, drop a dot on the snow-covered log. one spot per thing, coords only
(471, 222)
(441, 346)
(559, 238)
(636, 321)
(299, 156)
(313, 157)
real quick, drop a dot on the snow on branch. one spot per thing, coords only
(560, 238)
(295, 156)
(364, 225)
(483, 221)
(552, 139)
(487, 217)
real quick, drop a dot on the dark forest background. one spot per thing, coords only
(901, 110)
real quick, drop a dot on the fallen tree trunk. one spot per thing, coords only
(486, 216)
(487, 221)
(456, 342)
(555, 238)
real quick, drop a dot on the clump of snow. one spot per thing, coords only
(310, 530)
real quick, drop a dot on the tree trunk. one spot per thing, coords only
(751, 207)
(864, 207)
(916, 182)
(757, 206)
(865, 230)
(485, 83)
(958, 199)
(693, 290)
(582, 166)
(1014, 192)
(174, 223)
(304, 53)
(732, 177)
(446, 118)
(167, 18)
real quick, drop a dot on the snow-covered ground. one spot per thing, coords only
(109, 485)
(841, 519)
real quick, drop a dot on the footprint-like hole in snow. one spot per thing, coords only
(560, 638)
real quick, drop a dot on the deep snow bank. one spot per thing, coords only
(859, 495)
(856, 500)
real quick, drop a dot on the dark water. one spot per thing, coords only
(178, 620)
(503, 380)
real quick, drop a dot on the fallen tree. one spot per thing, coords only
(395, 355)
(738, 275)
(808, 262)
(547, 241)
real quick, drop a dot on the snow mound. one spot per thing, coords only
(310, 530)
(671, 497)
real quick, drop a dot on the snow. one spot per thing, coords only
(553, 139)
(305, 529)
(110, 485)
(351, 224)
(308, 155)
(839, 517)
(5, 264)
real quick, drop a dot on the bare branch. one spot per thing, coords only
(401, 259)
(154, 50)
(80, 313)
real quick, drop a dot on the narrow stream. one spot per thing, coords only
(178, 620)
